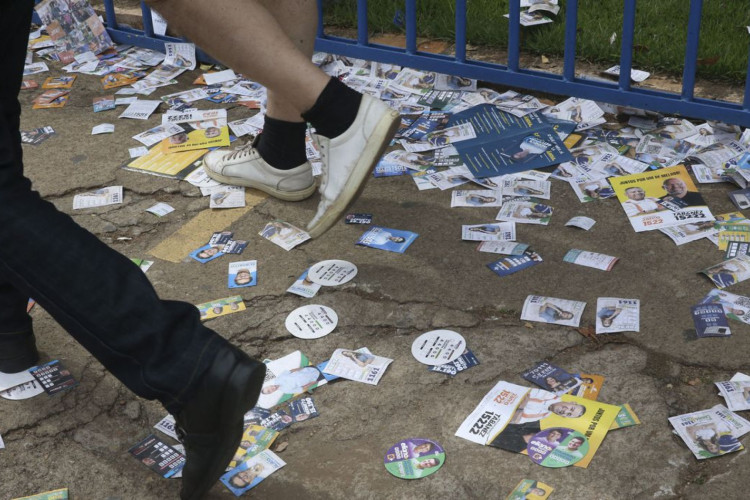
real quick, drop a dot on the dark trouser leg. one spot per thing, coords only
(158, 349)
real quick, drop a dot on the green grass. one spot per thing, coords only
(660, 34)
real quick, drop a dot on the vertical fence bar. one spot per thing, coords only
(691, 50)
(148, 24)
(461, 30)
(321, 27)
(109, 11)
(411, 26)
(626, 48)
(571, 32)
(362, 35)
(514, 35)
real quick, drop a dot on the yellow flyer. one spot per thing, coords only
(529, 489)
(662, 198)
(175, 165)
(221, 307)
(590, 386)
(59, 82)
(255, 439)
(205, 129)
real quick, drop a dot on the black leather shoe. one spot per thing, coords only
(17, 352)
(210, 424)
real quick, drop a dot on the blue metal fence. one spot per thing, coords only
(511, 74)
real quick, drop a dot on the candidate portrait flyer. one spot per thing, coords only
(392, 240)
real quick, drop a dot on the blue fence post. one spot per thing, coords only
(626, 48)
(514, 35)
(691, 49)
(571, 35)
(362, 33)
(411, 26)
(461, 31)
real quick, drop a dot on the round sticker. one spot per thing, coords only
(311, 322)
(332, 272)
(438, 347)
(23, 391)
(557, 447)
(414, 458)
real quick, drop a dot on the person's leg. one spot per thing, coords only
(353, 130)
(159, 349)
(17, 347)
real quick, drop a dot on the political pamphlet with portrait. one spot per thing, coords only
(505, 143)
(513, 188)
(465, 361)
(661, 198)
(591, 188)
(227, 197)
(450, 178)
(617, 315)
(303, 409)
(736, 394)
(503, 247)
(514, 263)
(357, 365)
(74, 28)
(37, 136)
(248, 474)
(729, 272)
(157, 134)
(206, 253)
(736, 248)
(53, 377)
(476, 198)
(358, 218)
(590, 259)
(710, 321)
(284, 234)
(158, 456)
(591, 386)
(711, 433)
(493, 231)
(414, 458)
(111, 195)
(304, 287)
(277, 420)
(54, 98)
(383, 238)
(685, 233)
(59, 82)
(526, 487)
(221, 307)
(167, 425)
(736, 307)
(551, 378)
(626, 418)
(287, 377)
(509, 416)
(551, 310)
(255, 438)
(140, 109)
(206, 129)
(525, 211)
(242, 274)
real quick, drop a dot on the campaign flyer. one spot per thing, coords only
(357, 365)
(465, 361)
(526, 487)
(287, 377)
(53, 377)
(101, 197)
(284, 234)
(167, 425)
(626, 418)
(37, 136)
(255, 439)
(735, 393)
(710, 321)
(206, 253)
(221, 307)
(551, 378)
(497, 231)
(206, 129)
(591, 386)
(248, 474)
(242, 274)
(512, 264)
(438, 347)
(414, 458)
(525, 211)
(557, 447)
(661, 198)
(158, 456)
(730, 271)
(476, 198)
(509, 416)
(552, 310)
(736, 307)
(503, 247)
(304, 287)
(61, 494)
(590, 259)
(711, 433)
(383, 238)
(303, 409)
(617, 315)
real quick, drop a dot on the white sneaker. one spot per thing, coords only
(245, 167)
(349, 159)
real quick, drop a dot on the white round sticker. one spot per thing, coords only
(23, 391)
(311, 322)
(332, 272)
(438, 347)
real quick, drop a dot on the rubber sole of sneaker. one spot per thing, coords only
(276, 193)
(376, 146)
(232, 418)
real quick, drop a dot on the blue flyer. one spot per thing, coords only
(463, 362)
(206, 253)
(710, 320)
(242, 274)
(512, 264)
(392, 240)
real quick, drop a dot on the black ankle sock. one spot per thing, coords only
(282, 143)
(334, 110)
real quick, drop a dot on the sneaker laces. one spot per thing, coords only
(239, 153)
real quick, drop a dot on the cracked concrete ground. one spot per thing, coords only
(79, 439)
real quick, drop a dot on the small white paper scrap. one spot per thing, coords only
(8, 380)
(219, 76)
(138, 152)
(227, 197)
(160, 209)
(582, 222)
(103, 128)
